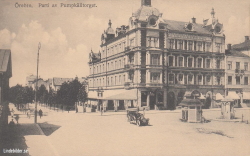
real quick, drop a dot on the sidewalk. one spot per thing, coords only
(26, 135)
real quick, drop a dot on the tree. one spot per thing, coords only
(42, 94)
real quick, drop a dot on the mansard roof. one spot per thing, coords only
(144, 12)
(180, 26)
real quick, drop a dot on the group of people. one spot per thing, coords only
(28, 113)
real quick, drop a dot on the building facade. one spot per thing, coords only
(237, 76)
(154, 63)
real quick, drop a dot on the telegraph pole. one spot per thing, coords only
(39, 47)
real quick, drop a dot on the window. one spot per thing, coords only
(111, 81)
(90, 70)
(132, 42)
(199, 46)
(208, 63)
(218, 64)
(155, 77)
(171, 79)
(115, 81)
(229, 65)
(175, 43)
(180, 78)
(199, 63)
(171, 61)
(119, 79)
(208, 46)
(155, 59)
(245, 80)
(190, 79)
(112, 67)
(200, 80)
(190, 45)
(171, 44)
(195, 45)
(245, 66)
(190, 62)
(237, 65)
(204, 46)
(185, 45)
(218, 47)
(218, 80)
(229, 80)
(180, 61)
(180, 44)
(108, 81)
(208, 79)
(237, 80)
(152, 42)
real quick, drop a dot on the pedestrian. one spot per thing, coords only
(28, 113)
(40, 113)
(76, 109)
(12, 123)
(17, 118)
(12, 112)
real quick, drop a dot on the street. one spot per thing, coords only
(110, 134)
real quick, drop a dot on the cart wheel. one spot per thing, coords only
(138, 123)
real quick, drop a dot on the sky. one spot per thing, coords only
(67, 34)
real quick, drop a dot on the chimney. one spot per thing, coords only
(246, 38)
(193, 20)
(229, 46)
(146, 2)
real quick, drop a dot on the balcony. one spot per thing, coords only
(128, 85)
(239, 71)
(129, 66)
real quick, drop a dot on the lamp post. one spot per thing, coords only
(39, 47)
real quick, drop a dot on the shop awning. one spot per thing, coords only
(202, 97)
(246, 95)
(125, 95)
(227, 99)
(190, 102)
(218, 96)
(233, 95)
(187, 93)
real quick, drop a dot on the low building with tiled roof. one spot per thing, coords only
(237, 76)
(57, 82)
(244, 47)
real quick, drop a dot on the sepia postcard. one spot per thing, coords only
(125, 77)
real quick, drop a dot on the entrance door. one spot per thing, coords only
(207, 103)
(121, 105)
(110, 105)
(171, 101)
(152, 101)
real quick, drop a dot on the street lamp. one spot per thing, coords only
(39, 47)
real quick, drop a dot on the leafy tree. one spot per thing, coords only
(42, 94)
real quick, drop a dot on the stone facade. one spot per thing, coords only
(162, 59)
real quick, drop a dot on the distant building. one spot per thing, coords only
(244, 47)
(154, 63)
(57, 82)
(5, 75)
(31, 82)
(237, 75)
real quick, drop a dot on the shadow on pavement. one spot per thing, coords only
(13, 138)
(47, 128)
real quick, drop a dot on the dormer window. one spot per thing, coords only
(152, 21)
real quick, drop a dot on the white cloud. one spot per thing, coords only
(5, 38)
(56, 57)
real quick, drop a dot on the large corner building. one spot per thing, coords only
(154, 63)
